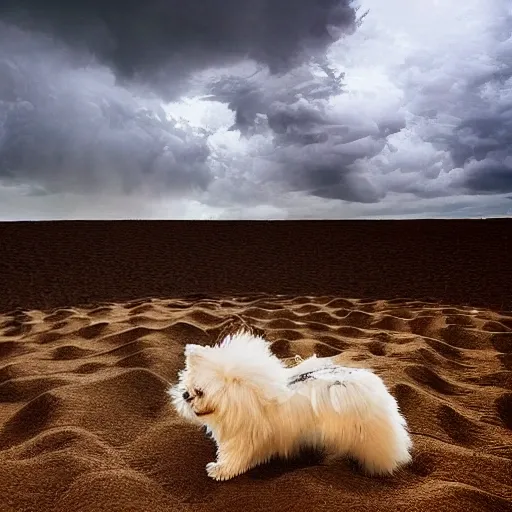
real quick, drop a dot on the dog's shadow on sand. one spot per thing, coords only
(313, 461)
(277, 467)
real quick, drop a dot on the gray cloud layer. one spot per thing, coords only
(413, 106)
(66, 125)
(160, 41)
(86, 115)
(314, 149)
(457, 112)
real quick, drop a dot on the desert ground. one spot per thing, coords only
(93, 326)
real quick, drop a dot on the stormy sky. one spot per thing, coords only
(258, 109)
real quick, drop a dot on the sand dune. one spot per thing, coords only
(86, 424)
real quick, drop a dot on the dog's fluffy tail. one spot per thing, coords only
(369, 420)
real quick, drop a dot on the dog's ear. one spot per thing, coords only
(194, 353)
(192, 349)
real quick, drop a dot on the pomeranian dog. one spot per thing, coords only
(256, 408)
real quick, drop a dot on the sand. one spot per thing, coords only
(49, 264)
(85, 423)
(94, 317)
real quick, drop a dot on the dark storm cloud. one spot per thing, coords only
(159, 40)
(73, 114)
(413, 106)
(452, 133)
(490, 177)
(483, 144)
(315, 150)
(66, 126)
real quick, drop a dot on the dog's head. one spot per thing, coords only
(229, 382)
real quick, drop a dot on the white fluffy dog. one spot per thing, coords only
(256, 408)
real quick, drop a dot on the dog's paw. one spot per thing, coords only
(217, 471)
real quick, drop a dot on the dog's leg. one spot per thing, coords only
(233, 459)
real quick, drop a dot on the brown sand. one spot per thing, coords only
(54, 264)
(86, 424)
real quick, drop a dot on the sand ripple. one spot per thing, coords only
(85, 423)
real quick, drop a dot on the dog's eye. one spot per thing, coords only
(198, 392)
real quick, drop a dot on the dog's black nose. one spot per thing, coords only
(186, 395)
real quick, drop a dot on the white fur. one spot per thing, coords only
(245, 397)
